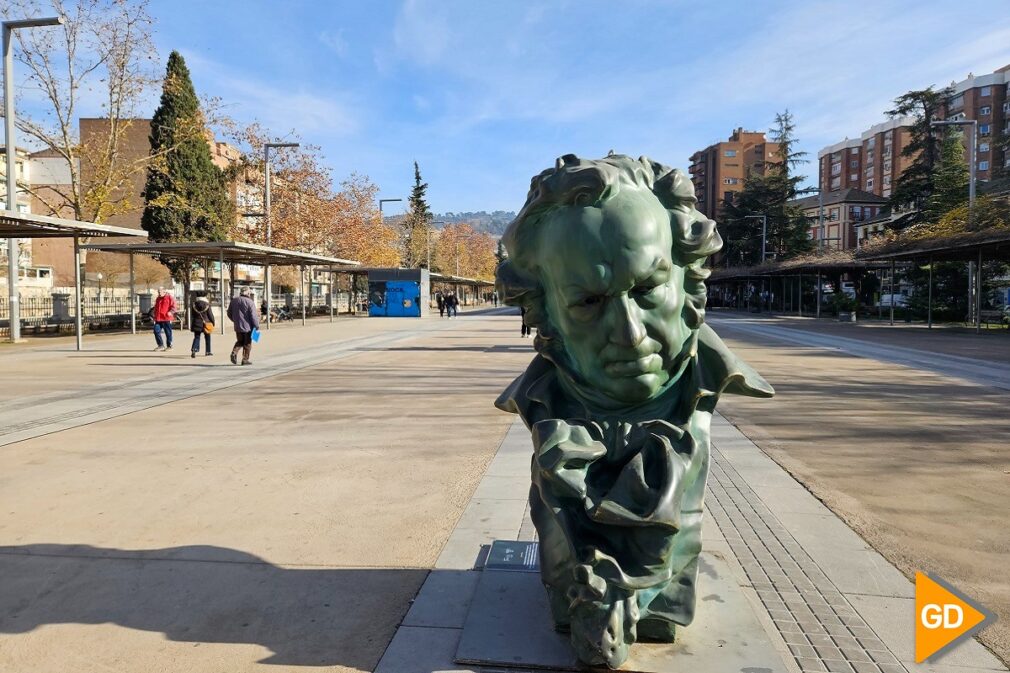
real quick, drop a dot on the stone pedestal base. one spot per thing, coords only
(509, 624)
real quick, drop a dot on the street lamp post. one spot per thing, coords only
(267, 284)
(976, 299)
(11, 198)
(382, 201)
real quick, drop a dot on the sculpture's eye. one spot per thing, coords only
(590, 301)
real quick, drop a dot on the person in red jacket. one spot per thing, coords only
(163, 314)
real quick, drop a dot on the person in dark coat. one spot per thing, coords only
(440, 300)
(243, 314)
(451, 305)
(201, 321)
(525, 331)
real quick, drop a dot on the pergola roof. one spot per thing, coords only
(831, 261)
(964, 246)
(230, 251)
(434, 277)
(28, 225)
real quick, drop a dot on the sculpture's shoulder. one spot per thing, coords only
(532, 393)
(723, 372)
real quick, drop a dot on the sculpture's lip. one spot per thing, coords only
(647, 364)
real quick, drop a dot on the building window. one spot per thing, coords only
(956, 118)
(956, 102)
(887, 181)
(729, 153)
(730, 181)
(854, 150)
(869, 171)
(869, 156)
(836, 169)
(886, 193)
(836, 182)
(833, 213)
(983, 165)
(986, 91)
(983, 147)
(887, 166)
(871, 143)
(1006, 106)
(869, 183)
(854, 163)
(727, 197)
(983, 129)
(853, 177)
(985, 110)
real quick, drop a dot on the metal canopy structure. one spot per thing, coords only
(232, 252)
(15, 225)
(967, 246)
(26, 225)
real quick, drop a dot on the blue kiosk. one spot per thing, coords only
(401, 293)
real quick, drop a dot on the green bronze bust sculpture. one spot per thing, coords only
(608, 257)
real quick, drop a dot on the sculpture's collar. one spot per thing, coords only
(712, 370)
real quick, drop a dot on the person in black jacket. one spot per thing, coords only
(201, 321)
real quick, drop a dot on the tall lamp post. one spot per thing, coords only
(267, 284)
(976, 278)
(11, 199)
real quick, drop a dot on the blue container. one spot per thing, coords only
(394, 298)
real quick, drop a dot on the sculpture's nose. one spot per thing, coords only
(626, 327)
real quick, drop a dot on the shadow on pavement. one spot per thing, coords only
(207, 594)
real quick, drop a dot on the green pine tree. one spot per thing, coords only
(950, 177)
(770, 194)
(915, 184)
(186, 195)
(417, 224)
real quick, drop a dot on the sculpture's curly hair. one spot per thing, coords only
(586, 182)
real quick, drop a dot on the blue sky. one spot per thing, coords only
(486, 93)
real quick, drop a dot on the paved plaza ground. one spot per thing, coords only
(321, 510)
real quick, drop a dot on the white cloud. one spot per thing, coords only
(335, 41)
(279, 108)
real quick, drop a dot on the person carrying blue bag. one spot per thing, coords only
(243, 314)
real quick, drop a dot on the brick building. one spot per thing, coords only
(718, 171)
(844, 210)
(873, 162)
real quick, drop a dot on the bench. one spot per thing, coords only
(996, 316)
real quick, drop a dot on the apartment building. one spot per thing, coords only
(984, 99)
(718, 171)
(871, 163)
(30, 271)
(844, 211)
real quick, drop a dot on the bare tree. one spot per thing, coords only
(104, 50)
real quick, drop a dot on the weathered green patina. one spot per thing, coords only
(607, 257)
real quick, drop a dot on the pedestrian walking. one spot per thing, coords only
(201, 321)
(525, 330)
(243, 314)
(494, 299)
(163, 313)
(440, 300)
(452, 305)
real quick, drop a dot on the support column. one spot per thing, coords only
(133, 299)
(978, 294)
(267, 294)
(301, 279)
(891, 282)
(78, 323)
(220, 280)
(818, 294)
(333, 295)
(929, 301)
(799, 304)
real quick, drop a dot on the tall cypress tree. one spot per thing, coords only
(186, 195)
(417, 224)
(950, 177)
(769, 193)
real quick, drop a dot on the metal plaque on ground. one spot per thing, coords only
(514, 556)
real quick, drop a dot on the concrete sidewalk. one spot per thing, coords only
(828, 600)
